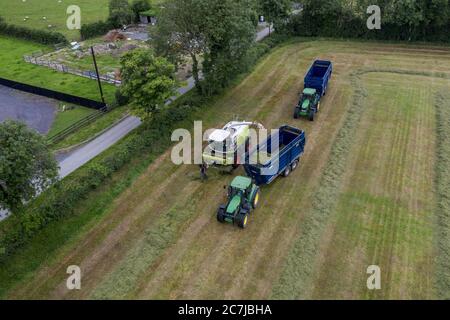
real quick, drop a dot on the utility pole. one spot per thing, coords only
(98, 75)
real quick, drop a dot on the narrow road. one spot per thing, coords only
(89, 151)
(71, 161)
(261, 35)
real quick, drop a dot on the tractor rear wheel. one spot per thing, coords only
(221, 215)
(296, 112)
(311, 115)
(242, 220)
(255, 200)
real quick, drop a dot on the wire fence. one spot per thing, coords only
(37, 58)
(76, 126)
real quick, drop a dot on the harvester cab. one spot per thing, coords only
(227, 147)
(243, 197)
(308, 105)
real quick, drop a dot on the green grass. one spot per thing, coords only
(13, 67)
(14, 11)
(65, 119)
(377, 193)
(92, 129)
(333, 212)
(106, 63)
(69, 232)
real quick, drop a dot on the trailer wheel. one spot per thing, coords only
(287, 171)
(294, 165)
(255, 200)
(242, 220)
(311, 115)
(221, 215)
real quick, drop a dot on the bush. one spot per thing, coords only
(40, 36)
(120, 99)
(120, 12)
(139, 6)
(95, 29)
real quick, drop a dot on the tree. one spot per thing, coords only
(221, 31)
(148, 81)
(139, 6)
(120, 12)
(229, 32)
(179, 33)
(275, 11)
(26, 165)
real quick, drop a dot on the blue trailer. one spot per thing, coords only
(266, 162)
(316, 85)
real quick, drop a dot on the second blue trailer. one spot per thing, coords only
(316, 85)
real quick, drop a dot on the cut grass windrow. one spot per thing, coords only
(296, 279)
(442, 185)
(299, 267)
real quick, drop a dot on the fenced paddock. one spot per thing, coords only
(37, 59)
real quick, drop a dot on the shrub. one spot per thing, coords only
(95, 29)
(120, 99)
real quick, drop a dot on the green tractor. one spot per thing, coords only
(309, 104)
(243, 197)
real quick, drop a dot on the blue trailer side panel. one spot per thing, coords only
(318, 76)
(291, 146)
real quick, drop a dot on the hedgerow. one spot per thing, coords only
(61, 200)
(36, 35)
(99, 28)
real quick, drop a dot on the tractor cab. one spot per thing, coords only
(309, 97)
(308, 105)
(243, 196)
(240, 186)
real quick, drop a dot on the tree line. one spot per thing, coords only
(401, 20)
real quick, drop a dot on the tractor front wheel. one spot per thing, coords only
(221, 215)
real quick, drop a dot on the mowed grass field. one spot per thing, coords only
(55, 12)
(366, 194)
